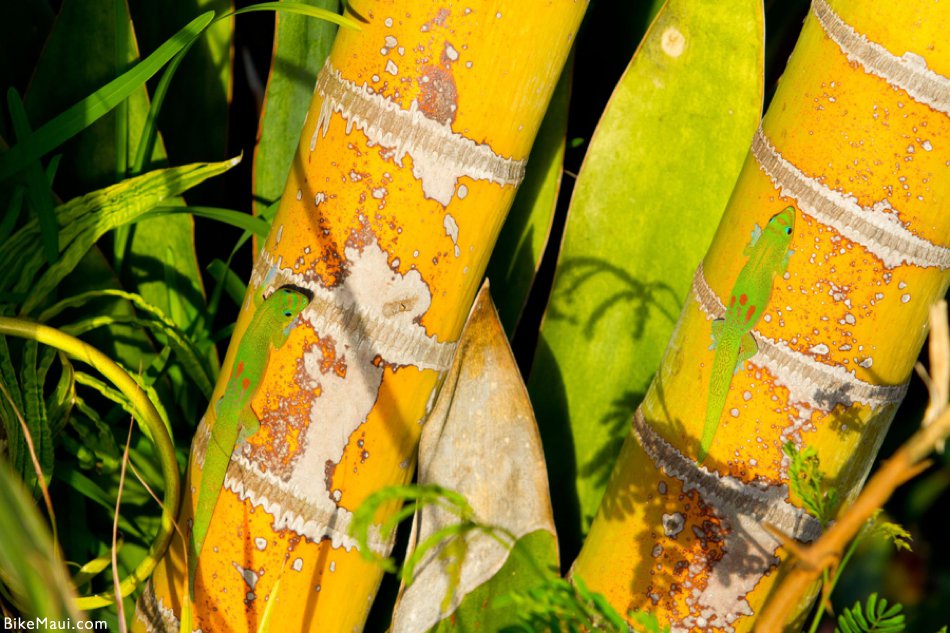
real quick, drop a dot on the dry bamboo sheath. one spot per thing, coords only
(414, 145)
(857, 138)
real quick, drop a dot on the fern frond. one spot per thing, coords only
(872, 617)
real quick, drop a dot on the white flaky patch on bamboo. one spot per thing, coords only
(378, 315)
(154, 615)
(439, 156)
(881, 233)
(373, 315)
(808, 381)
(744, 508)
(908, 72)
(295, 509)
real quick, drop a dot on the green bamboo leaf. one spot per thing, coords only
(302, 9)
(521, 243)
(84, 220)
(32, 565)
(35, 414)
(72, 66)
(99, 103)
(60, 402)
(12, 214)
(194, 116)
(228, 280)
(11, 403)
(237, 219)
(156, 320)
(669, 145)
(301, 45)
(531, 561)
(37, 187)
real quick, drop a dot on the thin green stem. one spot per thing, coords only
(147, 416)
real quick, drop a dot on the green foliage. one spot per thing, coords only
(619, 284)
(560, 605)
(300, 48)
(873, 616)
(892, 532)
(807, 481)
(141, 299)
(31, 567)
(409, 499)
(81, 115)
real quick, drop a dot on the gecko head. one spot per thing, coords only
(291, 301)
(782, 223)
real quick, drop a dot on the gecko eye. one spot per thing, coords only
(288, 313)
(788, 230)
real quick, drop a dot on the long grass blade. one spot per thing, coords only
(16, 447)
(37, 186)
(185, 350)
(255, 225)
(12, 213)
(302, 9)
(227, 280)
(131, 197)
(39, 438)
(59, 404)
(99, 103)
(119, 603)
(104, 210)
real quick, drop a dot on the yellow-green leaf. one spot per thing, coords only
(652, 188)
(302, 43)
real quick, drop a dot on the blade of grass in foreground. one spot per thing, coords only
(37, 187)
(99, 103)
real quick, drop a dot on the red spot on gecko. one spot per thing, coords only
(240, 368)
(749, 312)
(245, 384)
(732, 301)
(743, 299)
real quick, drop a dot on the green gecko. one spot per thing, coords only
(732, 336)
(233, 419)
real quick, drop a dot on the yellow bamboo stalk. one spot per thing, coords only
(413, 147)
(857, 138)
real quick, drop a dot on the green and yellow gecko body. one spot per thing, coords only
(233, 419)
(732, 336)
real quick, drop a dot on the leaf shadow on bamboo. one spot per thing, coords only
(670, 556)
